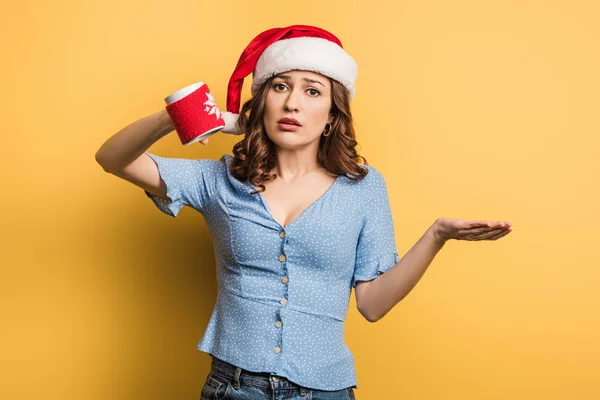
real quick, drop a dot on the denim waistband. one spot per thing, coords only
(262, 379)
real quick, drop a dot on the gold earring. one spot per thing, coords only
(327, 129)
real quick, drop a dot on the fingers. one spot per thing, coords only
(473, 232)
(499, 235)
(481, 230)
(478, 234)
(475, 224)
(494, 224)
(489, 234)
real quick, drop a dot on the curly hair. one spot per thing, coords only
(254, 156)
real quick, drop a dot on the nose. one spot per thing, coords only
(291, 102)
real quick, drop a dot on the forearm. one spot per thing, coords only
(385, 291)
(132, 141)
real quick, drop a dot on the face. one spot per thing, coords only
(303, 96)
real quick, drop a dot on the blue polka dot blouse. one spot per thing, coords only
(283, 291)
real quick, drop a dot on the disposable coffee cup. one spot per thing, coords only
(194, 113)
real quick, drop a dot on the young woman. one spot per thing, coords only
(296, 220)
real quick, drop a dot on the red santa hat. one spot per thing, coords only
(277, 50)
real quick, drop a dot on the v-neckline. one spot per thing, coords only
(266, 205)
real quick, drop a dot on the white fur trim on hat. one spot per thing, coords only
(306, 53)
(230, 121)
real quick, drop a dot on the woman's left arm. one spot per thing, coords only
(376, 297)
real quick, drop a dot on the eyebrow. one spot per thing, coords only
(287, 77)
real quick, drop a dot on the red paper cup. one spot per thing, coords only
(194, 113)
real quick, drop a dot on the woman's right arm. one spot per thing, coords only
(123, 153)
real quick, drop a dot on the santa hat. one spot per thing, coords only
(277, 50)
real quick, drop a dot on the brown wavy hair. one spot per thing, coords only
(254, 156)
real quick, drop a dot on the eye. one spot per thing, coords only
(315, 91)
(275, 86)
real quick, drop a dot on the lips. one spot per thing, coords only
(290, 121)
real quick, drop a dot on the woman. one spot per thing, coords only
(296, 221)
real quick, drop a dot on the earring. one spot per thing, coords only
(327, 129)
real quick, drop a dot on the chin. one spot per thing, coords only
(288, 140)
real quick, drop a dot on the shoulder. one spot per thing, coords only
(209, 168)
(369, 191)
(373, 172)
(225, 162)
(238, 186)
(187, 166)
(215, 168)
(373, 178)
(201, 169)
(210, 164)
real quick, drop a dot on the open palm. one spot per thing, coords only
(453, 228)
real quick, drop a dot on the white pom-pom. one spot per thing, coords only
(230, 120)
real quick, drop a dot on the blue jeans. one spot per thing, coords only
(228, 382)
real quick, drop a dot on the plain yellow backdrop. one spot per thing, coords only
(470, 109)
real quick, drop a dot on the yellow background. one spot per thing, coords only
(470, 109)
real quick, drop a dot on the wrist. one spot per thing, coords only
(437, 232)
(166, 122)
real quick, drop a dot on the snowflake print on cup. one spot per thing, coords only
(211, 106)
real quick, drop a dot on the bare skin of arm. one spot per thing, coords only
(123, 153)
(375, 298)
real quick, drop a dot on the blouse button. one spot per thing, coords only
(285, 279)
(282, 258)
(276, 350)
(278, 324)
(282, 234)
(283, 301)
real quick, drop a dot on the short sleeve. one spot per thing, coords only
(376, 249)
(189, 183)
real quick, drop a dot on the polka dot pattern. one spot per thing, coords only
(283, 292)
